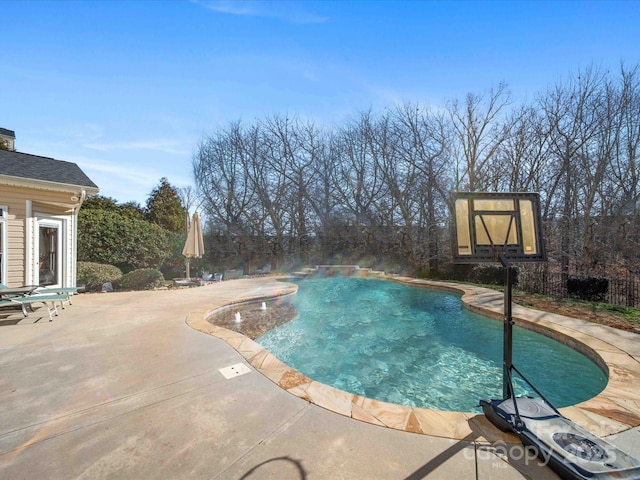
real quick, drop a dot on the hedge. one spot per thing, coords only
(591, 288)
(141, 279)
(94, 275)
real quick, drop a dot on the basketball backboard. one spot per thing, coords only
(490, 225)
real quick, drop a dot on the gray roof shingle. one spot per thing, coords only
(24, 165)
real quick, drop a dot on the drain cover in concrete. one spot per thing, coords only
(234, 370)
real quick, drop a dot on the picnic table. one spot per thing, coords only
(8, 293)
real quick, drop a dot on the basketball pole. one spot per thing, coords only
(508, 329)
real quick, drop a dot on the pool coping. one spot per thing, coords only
(614, 410)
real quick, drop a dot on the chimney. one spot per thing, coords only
(7, 139)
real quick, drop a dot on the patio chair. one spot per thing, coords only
(38, 298)
(232, 274)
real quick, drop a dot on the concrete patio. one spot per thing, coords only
(119, 386)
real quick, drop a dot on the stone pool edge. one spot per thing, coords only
(614, 410)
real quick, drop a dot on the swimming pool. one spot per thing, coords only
(418, 347)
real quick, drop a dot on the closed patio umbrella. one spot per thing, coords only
(194, 246)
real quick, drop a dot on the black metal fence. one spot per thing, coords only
(624, 292)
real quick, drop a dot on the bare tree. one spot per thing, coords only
(359, 186)
(190, 199)
(573, 114)
(479, 131)
(424, 143)
(272, 216)
(377, 187)
(221, 178)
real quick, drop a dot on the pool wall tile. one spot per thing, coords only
(330, 398)
(363, 415)
(292, 378)
(300, 390)
(258, 358)
(620, 409)
(442, 423)
(413, 424)
(592, 421)
(391, 415)
(483, 431)
(274, 374)
(234, 341)
(248, 348)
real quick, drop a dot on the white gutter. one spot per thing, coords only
(73, 281)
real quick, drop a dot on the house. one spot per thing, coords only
(39, 202)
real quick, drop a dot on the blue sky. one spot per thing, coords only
(127, 89)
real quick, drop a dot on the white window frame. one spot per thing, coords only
(60, 224)
(4, 236)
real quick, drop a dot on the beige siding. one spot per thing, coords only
(14, 201)
(15, 250)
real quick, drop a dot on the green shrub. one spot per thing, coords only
(484, 274)
(142, 279)
(117, 238)
(489, 274)
(591, 288)
(93, 275)
(174, 265)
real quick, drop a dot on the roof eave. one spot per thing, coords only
(45, 185)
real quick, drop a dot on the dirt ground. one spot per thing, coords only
(575, 310)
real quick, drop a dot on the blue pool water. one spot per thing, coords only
(418, 347)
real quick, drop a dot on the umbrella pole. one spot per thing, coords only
(188, 269)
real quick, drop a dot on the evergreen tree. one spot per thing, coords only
(133, 210)
(121, 235)
(164, 208)
(99, 202)
(116, 238)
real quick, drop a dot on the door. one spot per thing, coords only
(49, 252)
